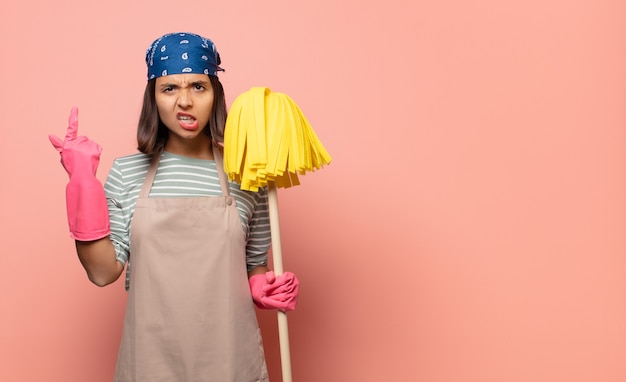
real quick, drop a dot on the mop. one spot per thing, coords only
(268, 142)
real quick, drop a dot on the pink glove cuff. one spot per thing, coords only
(87, 210)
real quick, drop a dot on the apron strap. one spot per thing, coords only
(217, 154)
(147, 183)
(154, 164)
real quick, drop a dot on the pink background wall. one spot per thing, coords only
(470, 228)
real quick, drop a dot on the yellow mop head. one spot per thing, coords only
(267, 138)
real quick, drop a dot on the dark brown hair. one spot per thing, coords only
(152, 133)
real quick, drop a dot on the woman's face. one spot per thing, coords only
(184, 103)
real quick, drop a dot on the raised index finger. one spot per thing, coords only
(72, 127)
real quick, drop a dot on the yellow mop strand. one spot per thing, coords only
(268, 138)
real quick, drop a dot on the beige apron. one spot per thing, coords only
(189, 316)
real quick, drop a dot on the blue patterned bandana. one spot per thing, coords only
(177, 53)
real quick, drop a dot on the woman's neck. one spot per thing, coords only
(200, 149)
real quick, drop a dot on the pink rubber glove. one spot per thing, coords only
(275, 292)
(87, 211)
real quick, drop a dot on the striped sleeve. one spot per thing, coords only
(119, 227)
(258, 227)
(122, 189)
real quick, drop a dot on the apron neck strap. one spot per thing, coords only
(147, 183)
(154, 164)
(217, 154)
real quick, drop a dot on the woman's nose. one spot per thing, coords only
(184, 99)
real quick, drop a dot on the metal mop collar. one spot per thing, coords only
(178, 53)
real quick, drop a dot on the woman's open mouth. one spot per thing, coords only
(187, 121)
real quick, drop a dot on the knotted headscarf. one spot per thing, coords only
(177, 53)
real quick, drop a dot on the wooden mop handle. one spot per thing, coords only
(277, 258)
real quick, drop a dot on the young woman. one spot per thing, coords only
(193, 244)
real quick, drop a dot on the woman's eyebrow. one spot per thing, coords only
(200, 82)
(168, 85)
(194, 83)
